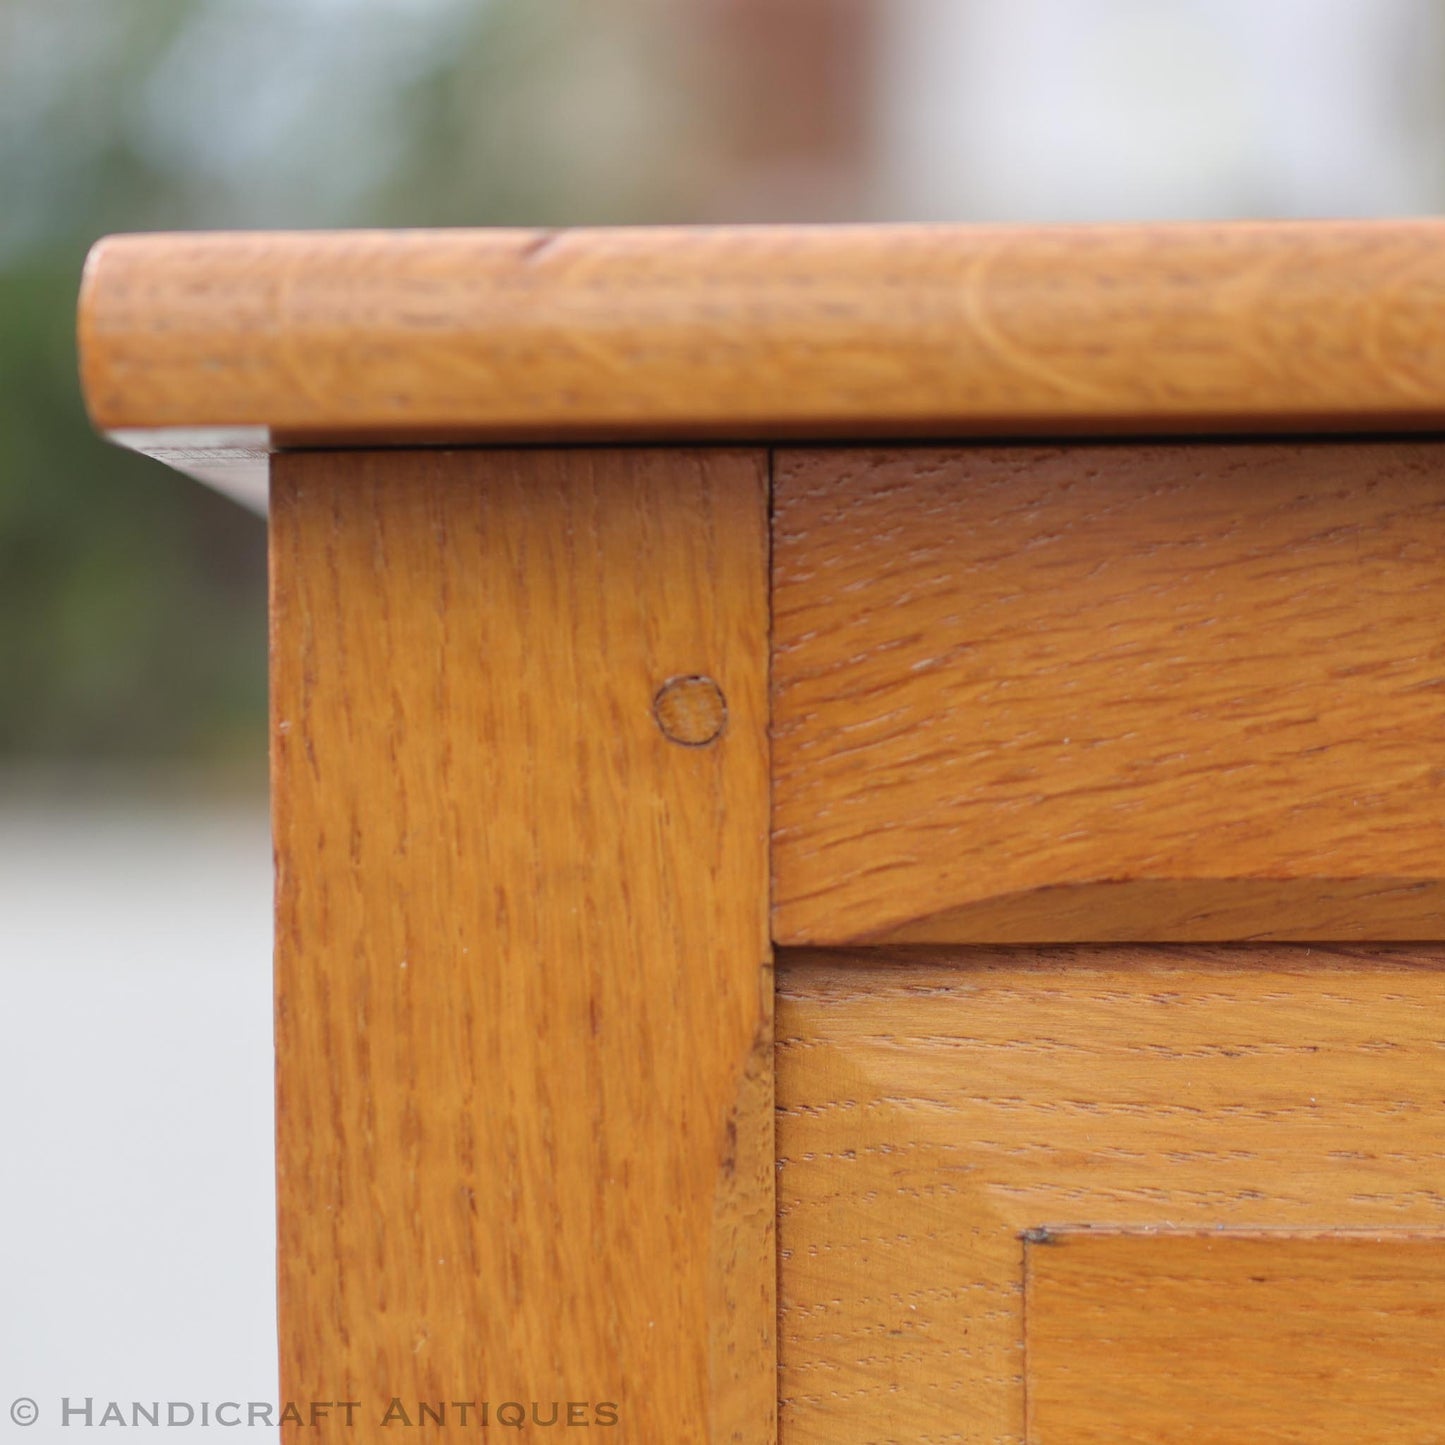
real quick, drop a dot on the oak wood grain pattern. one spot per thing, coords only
(1107, 692)
(768, 331)
(523, 997)
(1218, 1338)
(936, 1105)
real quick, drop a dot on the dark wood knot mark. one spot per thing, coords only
(690, 710)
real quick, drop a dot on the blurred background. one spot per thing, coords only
(135, 1228)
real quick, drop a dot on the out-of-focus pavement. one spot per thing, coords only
(136, 1260)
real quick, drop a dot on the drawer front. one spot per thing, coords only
(1174, 1193)
(1056, 694)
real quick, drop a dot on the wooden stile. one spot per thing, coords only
(523, 999)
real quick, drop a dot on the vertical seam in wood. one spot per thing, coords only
(1027, 1266)
(772, 972)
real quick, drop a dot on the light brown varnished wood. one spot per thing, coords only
(1108, 692)
(523, 999)
(1223, 1337)
(1162, 691)
(937, 1110)
(763, 332)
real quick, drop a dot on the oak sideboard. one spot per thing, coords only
(859, 819)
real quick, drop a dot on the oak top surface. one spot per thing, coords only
(257, 340)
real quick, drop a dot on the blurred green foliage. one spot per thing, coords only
(132, 615)
(131, 601)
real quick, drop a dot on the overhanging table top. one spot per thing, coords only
(210, 349)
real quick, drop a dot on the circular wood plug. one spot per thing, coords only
(691, 711)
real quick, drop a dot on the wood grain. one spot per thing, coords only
(766, 332)
(523, 996)
(1172, 691)
(1218, 1338)
(937, 1106)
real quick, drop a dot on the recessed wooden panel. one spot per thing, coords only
(1179, 692)
(1219, 1338)
(523, 994)
(936, 1107)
